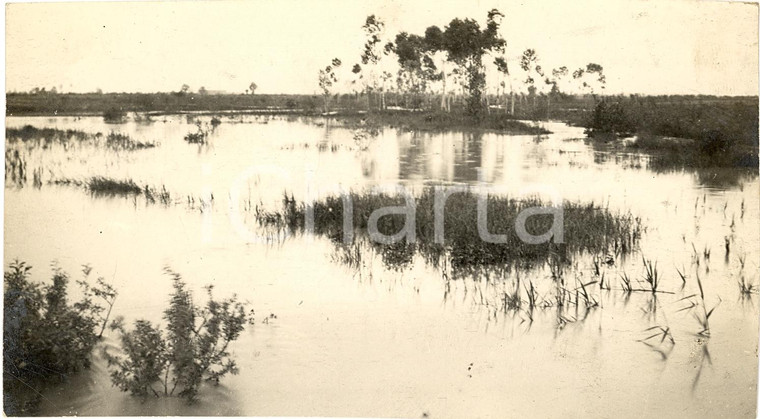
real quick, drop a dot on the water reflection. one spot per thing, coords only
(374, 326)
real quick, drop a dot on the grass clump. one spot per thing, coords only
(586, 228)
(121, 141)
(99, 185)
(45, 135)
(200, 136)
(48, 136)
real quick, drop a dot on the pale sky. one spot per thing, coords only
(651, 47)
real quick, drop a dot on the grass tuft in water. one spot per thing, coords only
(47, 136)
(587, 228)
(106, 186)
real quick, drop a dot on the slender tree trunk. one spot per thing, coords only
(105, 322)
(511, 96)
(443, 93)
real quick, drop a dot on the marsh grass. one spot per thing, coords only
(200, 136)
(747, 287)
(99, 185)
(587, 228)
(695, 302)
(46, 137)
(442, 121)
(121, 141)
(651, 275)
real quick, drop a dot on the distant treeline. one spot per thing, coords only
(571, 108)
(526, 106)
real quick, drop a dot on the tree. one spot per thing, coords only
(184, 89)
(466, 44)
(558, 75)
(503, 68)
(436, 49)
(590, 79)
(202, 91)
(252, 88)
(372, 54)
(326, 79)
(529, 64)
(416, 65)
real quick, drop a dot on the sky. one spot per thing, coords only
(648, 47)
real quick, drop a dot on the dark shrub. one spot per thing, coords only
(192, 349)
(44, 337)
(610, 117)
(114, 115)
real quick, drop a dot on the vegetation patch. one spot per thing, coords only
(49, 136)
(682, 133)
(442, 121)
(99, 185)
(586, 228)
(45, 336)
(192, 349)
(114, 115)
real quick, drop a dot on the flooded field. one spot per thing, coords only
(373, 335)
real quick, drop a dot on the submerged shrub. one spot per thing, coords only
(198, 137)
(114, 115)
(610, 117)
(45, 336)
(191, 349)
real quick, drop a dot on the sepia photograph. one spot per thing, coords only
(381, 209)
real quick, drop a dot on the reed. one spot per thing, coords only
(747, 287)
(651, 275)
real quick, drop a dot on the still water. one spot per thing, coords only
(380, 342)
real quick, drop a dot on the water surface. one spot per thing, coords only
(375, 341)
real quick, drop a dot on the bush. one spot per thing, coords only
(198, 137)
(714, 142)
(42, 333)
(114, 115)
(192, 349)
(44, 336)
(610, 117)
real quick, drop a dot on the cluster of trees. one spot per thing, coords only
(461, 59)
(185, 90)
(43, 90)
